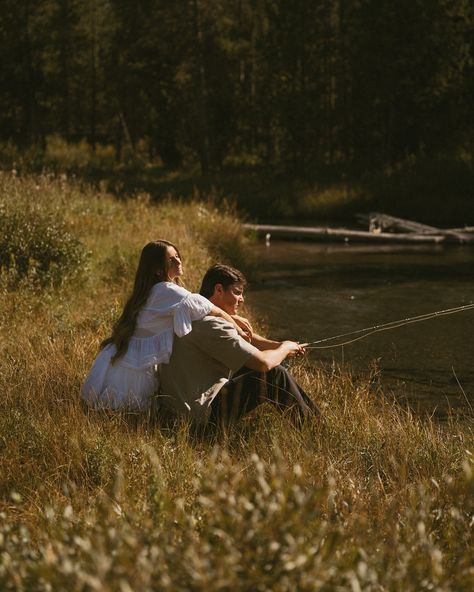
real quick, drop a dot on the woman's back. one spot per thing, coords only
(131, 380)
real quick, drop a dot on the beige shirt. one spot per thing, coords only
(201, 363)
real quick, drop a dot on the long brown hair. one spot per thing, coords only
(152, 268)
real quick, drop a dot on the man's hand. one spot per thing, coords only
(244, 334)
(294, 348)
(265, 360)
(245, 327)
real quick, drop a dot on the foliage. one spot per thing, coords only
(63, 156)
(258, 527)
(229, 246)
(359, 84)
(36, 245)
(405, 188)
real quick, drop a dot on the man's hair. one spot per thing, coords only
(220, 274)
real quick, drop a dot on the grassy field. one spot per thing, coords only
(371, 498)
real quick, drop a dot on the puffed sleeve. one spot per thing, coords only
(193, 307)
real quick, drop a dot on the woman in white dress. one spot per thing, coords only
(124, 374)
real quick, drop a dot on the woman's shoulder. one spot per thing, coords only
(170, 288)
(168, 293)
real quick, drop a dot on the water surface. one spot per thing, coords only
(310, 291)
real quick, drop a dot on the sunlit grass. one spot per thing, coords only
(369, 498)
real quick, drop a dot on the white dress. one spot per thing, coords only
(132, 379)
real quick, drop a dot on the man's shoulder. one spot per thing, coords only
(210, 324)
(219, 333)
(217, 338)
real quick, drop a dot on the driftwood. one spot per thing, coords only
(339, 234)
(382, 229)
(383, 222)
(465, 229)
(380, 222)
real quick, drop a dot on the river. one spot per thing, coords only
(310, 291)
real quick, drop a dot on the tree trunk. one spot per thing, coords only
(65, 78)
(203, 124)
(30, 104)
(93, 104)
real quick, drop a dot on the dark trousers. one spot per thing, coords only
(249, 389)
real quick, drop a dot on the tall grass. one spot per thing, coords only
(369, 498)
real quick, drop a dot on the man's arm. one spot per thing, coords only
(263, 361)
(260, 342)
(263, 343)
(219, 339)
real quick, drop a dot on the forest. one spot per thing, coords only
(301, 86)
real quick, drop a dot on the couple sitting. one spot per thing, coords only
(215, 370)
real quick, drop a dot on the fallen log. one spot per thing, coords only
(340, 234)
(379, 222)
(465, 229)
(455, 236)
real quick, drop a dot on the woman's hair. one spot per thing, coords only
(220, 274)
(152, 268)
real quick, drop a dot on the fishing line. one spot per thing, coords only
(363, 333)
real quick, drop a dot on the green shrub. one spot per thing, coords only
(36, 247)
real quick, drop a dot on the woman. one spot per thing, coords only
(124, 373)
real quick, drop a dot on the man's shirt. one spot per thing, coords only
(201, 363)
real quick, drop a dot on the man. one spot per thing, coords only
(216, 376)
(224, 286)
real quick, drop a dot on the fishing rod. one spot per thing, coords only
(363, 333)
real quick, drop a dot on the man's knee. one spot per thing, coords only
(280, 376)
(279, 371)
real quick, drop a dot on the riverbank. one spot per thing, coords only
(435, 191)
(371, 498)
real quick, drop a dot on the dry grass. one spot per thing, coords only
(371, 498)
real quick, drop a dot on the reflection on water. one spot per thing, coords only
(308, 291)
